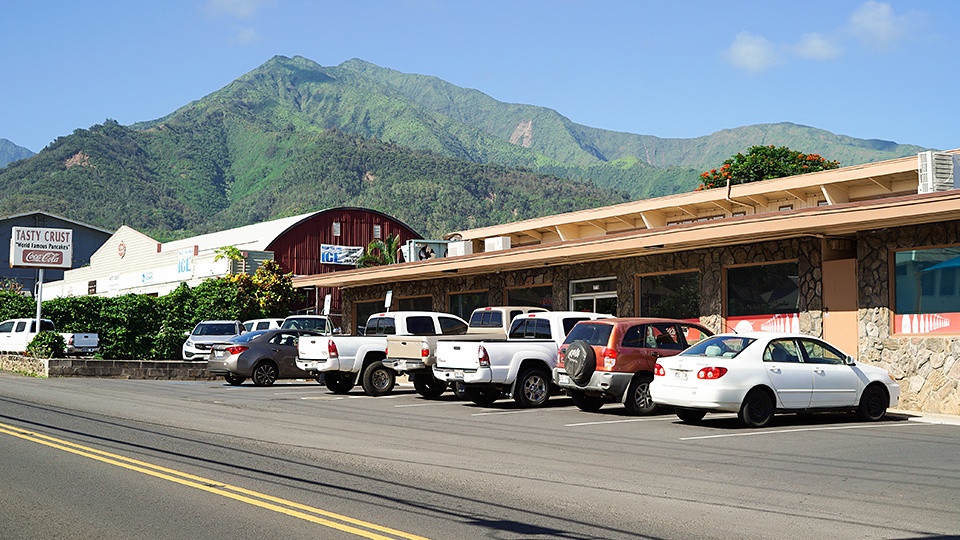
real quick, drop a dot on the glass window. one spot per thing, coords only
(463, 304)
(818, 352)
(450, 326)
(487, 319)
(725, 346)
(781, 350)
(21, 325)
(421, 326)
(363, 312)
(530, 329)
(417, 303)
(594, 334)
(934, 273)
(593, 286)
(381, 326)
(568, 324)
(663, 336)
(539, 296)
(671, 296)
(633, 337)
(6, 327)
(764, 289)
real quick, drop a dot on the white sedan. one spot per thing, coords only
(760, 373)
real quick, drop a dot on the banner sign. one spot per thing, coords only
(348, 255)
(32, 247)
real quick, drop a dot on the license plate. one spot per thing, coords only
(682, 375)
(564, 379)
(458, 374)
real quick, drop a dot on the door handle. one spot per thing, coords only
(818, 370)
(775, 369)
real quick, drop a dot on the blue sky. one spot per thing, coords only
(868, 69)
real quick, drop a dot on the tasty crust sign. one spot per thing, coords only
(41, 248)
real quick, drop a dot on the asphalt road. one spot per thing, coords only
(87, 458)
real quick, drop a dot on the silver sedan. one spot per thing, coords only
(263, 356)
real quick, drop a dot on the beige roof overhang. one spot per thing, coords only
(825, 221)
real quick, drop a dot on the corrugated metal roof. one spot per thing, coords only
(254, 237)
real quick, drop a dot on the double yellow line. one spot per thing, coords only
(307, 513)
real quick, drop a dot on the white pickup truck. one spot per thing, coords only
(16, 334)
(342, 359)
(414, 355)
(519, 365)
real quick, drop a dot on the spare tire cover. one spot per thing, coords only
(580, 362)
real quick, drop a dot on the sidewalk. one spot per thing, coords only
(926, 418)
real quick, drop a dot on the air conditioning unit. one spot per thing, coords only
(938, 171)
(497, 243)
(462, 247)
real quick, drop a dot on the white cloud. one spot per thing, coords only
(246, 35)
(817, 47)
(876, 26)
(240, 9)
(752, 53)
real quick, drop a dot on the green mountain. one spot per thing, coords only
(10, 152)
(292, 136)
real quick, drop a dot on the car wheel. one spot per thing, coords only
(234, 379)
(757, 409)
(691, 416)
(429, 386)
(459, 390)
(337, 382)
(533, 388)
(873, 404)
(580, 362)
(481, 396)
(377, 379)
(586, 402)
(639, 402)
(265, 373)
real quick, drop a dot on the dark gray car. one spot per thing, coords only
(263, 356)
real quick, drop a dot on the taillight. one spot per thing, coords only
(236, 349)
(609, 358)
(332, 351)
(424, 351)
(70, 341)
(561, 354)
(711, 373)
(483, 357)
(659, 371)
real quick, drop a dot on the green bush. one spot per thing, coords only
(14, 305)
(47, 344)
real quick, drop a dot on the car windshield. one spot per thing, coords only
(249, 336)
(594, 334)
(723, 346)
(227, 329)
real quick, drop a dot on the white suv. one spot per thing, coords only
(205, 334)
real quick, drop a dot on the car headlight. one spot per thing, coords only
(189, 343)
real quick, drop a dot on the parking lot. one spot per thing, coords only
(450, 469)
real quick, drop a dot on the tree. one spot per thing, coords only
(275, 290)
(380, 252)
(764, 163)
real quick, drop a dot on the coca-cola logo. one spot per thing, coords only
(122, 249)
(43, 256)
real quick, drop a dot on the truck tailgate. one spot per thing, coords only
(407, 347)
(458, 354)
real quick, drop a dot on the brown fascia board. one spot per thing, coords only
(834, 220)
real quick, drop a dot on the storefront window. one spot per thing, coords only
(673, 296)
(364, 310)
(463, 304)
(927, 291)
(594, 295)
(764, 297)
(417, 303)
(539, 296)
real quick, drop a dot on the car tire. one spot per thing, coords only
(429, 386)
(459, 389)
(483, 396)
(532, 388)
(580, 362)
(338, 382)
(638, 400)
(690, 416)
(265, 373)
(873, 404)
(586, 402)
(234, 379)
(757, 409)
(378, 380)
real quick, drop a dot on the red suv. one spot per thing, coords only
(610, 360)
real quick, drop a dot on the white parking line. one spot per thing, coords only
(429, 404)
(619, 421)
(798, 430)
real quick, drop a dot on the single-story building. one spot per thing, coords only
(867, 257)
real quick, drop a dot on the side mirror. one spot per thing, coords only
(849, 361)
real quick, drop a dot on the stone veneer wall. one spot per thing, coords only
(925, 366)
(709, 263)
